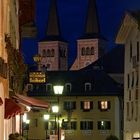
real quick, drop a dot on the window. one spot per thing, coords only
(86, 125)
(87, 86)
(104, 125)
(73, 125)
(137, 78)
(138, 50)
(49, 87)
(136, 94)
(130, 95)
(127, 111)
(132, 84)
(104, 105)
(136, 104)
(92, 51)
(30, 87)
(130, 50)
(132, 110)
(86, 105)
(46, 125)
(43, 53)
(52, 53)
(48, 53)
(128, 80)
(69, 105)
(68, 87)
(83, 51)
(87, 51)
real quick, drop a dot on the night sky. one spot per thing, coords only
(72, 19)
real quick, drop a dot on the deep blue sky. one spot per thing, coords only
(72, 19)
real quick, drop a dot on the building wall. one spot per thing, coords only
(8, 26)
(95, 115)
(131, 88)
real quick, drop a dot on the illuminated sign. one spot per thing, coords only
(37, 77)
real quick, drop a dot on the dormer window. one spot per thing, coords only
(49, 87)
(30, 87)
(68, 87)
(87, 86)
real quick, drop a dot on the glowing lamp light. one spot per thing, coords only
(55, 109)
(58, 89)
(46, 116)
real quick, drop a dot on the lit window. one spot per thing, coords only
(104, 125)
(86, 105)
(104, 105)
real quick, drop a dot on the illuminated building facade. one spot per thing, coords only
(129, 35)
(90, 106)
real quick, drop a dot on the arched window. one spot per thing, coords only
(92, 51)
(44, 53)
(68, 87)
(87, 51)
(52, 53)
(87, 86)
(83, 51)
(48, 53)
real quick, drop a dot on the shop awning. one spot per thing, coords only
(11, 108)
(32, 102)
(1, 102)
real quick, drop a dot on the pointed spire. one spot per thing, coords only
(92, 25)
(53, 22)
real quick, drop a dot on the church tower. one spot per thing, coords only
(53, 50)
(90, 46)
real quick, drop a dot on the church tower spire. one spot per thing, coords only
(92, 24)
(91, 45)
(53, 50)
(53, 28)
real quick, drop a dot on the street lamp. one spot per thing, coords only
(58, 90)
(46, 118)
(37, 58)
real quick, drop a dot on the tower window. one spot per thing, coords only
(92, 51)
(48, 53)
(87, 51)
(52, 53)
(44, 53)
(83, 51)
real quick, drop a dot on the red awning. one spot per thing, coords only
(11, 108)
(32, 102)
(1, 102)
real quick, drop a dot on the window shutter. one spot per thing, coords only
(91, 105)
(82, 103)
(99, 104)
(109, 104)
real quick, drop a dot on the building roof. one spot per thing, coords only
(111, 62)
(102, 84)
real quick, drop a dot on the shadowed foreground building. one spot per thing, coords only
(90, 106)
